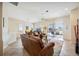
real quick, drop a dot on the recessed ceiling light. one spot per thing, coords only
(66, 9)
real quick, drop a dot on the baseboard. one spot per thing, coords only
(12, 41)
(5, 46)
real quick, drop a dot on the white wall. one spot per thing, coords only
(1, 41)
(10, 10)
(73, 18)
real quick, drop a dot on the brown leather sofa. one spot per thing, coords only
(35, 47)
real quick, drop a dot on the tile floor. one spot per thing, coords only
(16, 49)
(68, 48)
(65, 49)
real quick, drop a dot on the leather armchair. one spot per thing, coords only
(35, 47)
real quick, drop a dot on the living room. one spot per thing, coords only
(56, 20)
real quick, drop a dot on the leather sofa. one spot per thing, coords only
(35, 47)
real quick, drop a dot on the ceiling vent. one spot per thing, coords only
(14, 3)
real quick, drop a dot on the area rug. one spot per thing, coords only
(57, 49)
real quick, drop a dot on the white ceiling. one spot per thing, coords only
(35, 11)
(55, 9)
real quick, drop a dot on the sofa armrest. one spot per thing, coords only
(48, 50)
